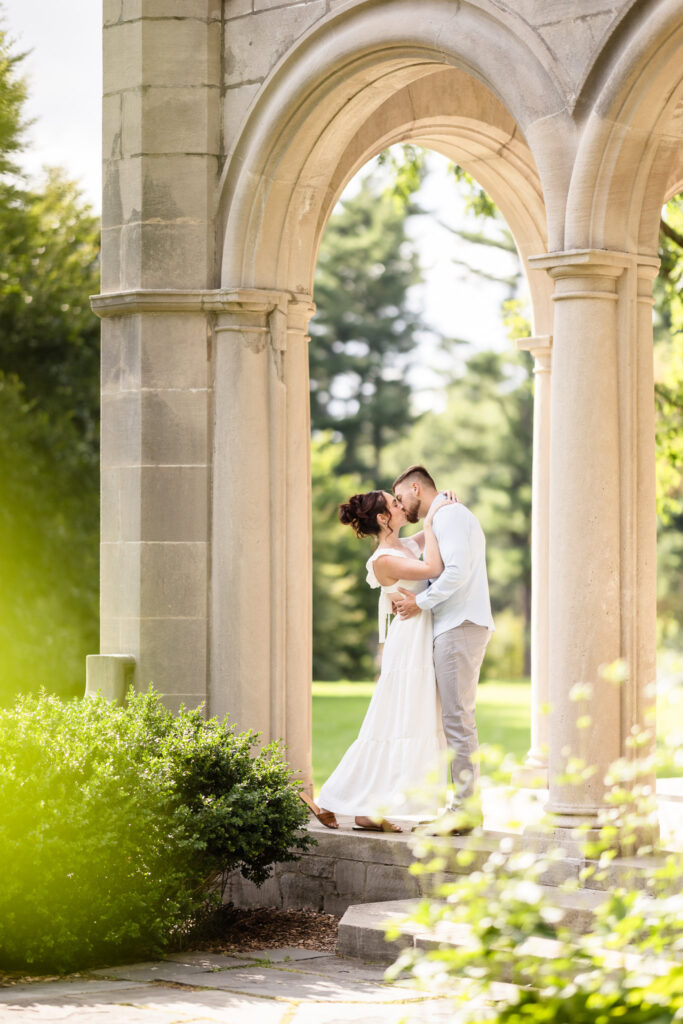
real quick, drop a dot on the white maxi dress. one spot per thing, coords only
(396, 766)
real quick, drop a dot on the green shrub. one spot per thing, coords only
(117, 824)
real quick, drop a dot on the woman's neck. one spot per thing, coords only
(389, 540)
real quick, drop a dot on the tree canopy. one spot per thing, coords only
(49, 402)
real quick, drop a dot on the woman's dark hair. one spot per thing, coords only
(361, 512)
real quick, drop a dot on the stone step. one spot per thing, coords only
(347, 868)
(362, 928)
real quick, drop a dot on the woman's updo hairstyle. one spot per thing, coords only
(361, 512)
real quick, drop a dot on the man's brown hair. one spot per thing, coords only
(411, 471)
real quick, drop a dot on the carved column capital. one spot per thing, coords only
(540, 347)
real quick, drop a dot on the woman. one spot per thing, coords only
(401, 738)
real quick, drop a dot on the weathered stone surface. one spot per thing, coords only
(237, 8)
(318, 867)
(387, 882)
(254, 44)
(172, 503)
(172, 255)
(173, 579)
(245, 894)
(335, 904)
(384, 849)
(236, 102)
(182, 119)
(301, 892)
(174, 350)
(185, 639)
(204, 10)
(349, 876)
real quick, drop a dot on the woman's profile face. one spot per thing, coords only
(395, 510)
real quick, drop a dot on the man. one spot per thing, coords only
(461, 613)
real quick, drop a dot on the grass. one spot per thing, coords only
(339, 708)
(503, 710)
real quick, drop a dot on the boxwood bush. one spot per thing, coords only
(117, 824)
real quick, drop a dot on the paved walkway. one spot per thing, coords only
(276, 986)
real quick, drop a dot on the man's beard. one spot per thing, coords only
(411, 510)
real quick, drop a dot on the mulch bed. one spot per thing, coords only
(234, 930)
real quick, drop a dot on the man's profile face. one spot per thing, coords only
(408, 500)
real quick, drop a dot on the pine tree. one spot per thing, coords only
(364, 330)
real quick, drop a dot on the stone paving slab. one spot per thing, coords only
(432, 1011)
(333, 966)
(279, 983)
(182, 974)
(46, 989)
(153, 1004)
(294, 987)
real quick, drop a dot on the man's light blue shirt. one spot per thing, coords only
(461, 592)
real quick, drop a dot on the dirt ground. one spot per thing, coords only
(269, 928)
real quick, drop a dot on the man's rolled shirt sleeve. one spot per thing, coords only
(451, 529)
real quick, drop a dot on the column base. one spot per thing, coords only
(587, 833)
(533, 774)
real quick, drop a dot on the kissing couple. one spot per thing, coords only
(436, 586)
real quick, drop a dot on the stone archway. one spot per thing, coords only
(274, 216)
(230, 130)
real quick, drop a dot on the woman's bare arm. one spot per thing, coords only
(390, 568)
(419, 539)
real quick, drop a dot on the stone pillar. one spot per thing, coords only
(534, 771)
(161, 144)
(596, 432)
(299, 564)
(261, 573)
(639, 511)
(154, 475)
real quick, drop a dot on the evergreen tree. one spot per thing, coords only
(364, 329)
(49, 405)
(481, 445)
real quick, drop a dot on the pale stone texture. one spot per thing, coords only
(253, 45)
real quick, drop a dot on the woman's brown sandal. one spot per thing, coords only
(325, 818)
(380, 826)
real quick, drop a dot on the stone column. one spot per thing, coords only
(585, 546)
(261, 573)
(299, 567)
(638, 510)
(154, 488)
(534, 771)
(161, 145)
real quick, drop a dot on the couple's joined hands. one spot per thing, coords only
(406, 606)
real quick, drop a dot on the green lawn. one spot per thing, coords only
(338, 710)
(502, 719)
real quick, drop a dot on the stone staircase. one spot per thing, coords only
(364, 877)
(362, 928)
